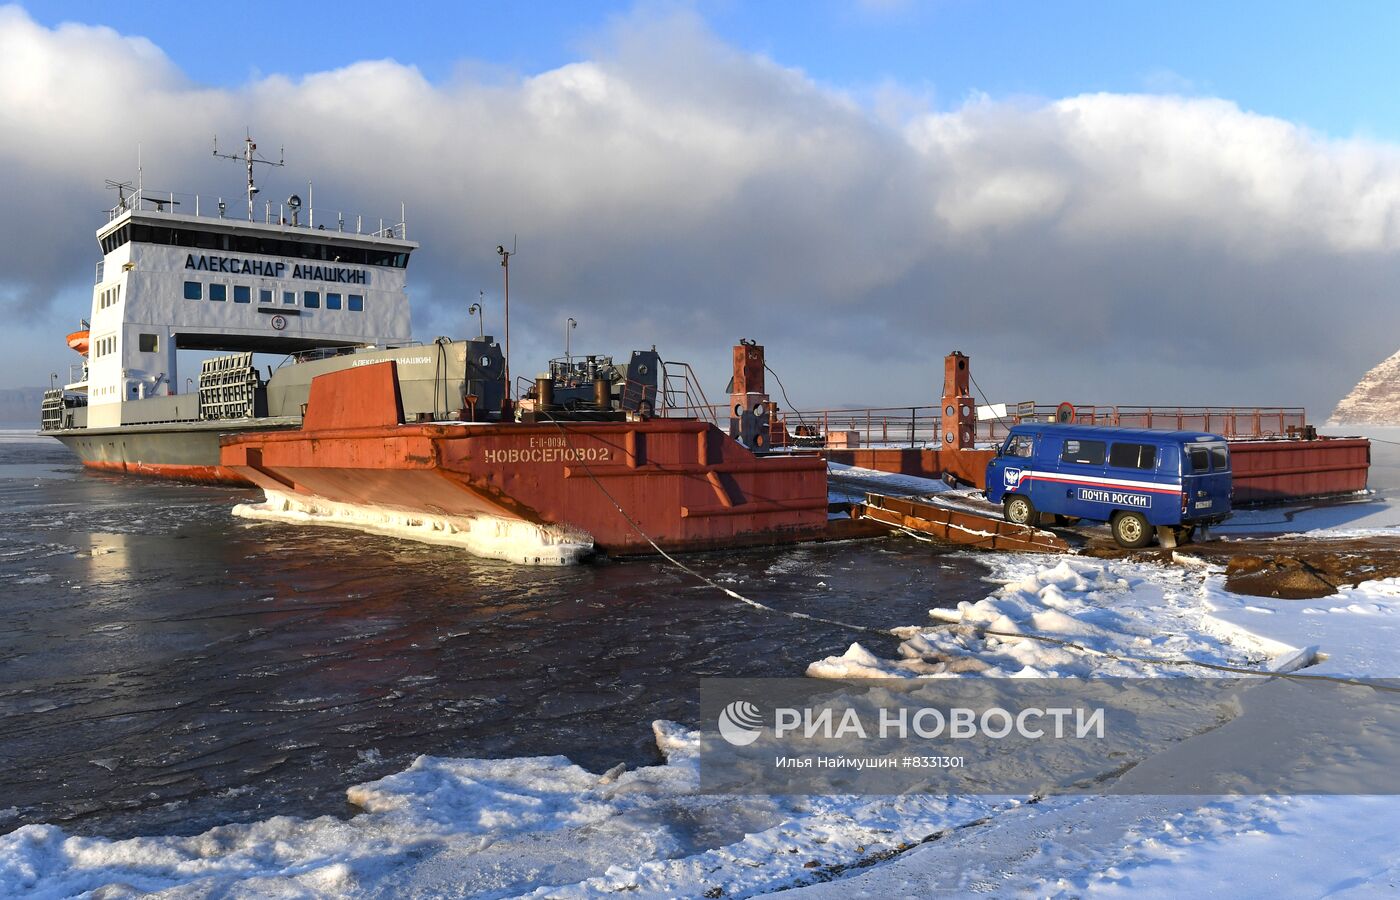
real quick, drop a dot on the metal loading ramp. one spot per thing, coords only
(956, 526)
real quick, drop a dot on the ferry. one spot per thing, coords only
(179, 273)
(359, 425)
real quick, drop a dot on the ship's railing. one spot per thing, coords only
(894, 426)
(271, 213)
(682, 396)
(1234, 422)
(921, 426)
(890, 426)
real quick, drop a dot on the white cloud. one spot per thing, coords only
(672, 189)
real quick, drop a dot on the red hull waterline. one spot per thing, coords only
(681, 483)
(205, 474)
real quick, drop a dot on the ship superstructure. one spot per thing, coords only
(178, 273)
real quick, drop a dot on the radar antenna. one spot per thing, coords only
(121, 187)
(249, 157)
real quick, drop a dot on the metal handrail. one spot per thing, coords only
(1229, 421)
(915, 426)
(889, 426)
(687, 388)
(139, 199)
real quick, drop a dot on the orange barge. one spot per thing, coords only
(681, 483)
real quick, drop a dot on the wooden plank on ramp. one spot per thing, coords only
(956, 526)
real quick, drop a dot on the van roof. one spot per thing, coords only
(1112, 432)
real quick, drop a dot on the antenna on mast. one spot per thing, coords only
(121, 188)
(249, 157)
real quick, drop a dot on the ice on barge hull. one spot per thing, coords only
(683, 483)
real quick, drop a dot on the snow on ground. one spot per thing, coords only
(1357, 630)
(1264, 847)
(1362, 515)
(1148, 846)
(1133, 609)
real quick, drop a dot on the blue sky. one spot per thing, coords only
(1332, 67)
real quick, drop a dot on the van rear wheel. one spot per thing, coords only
(1018, 511)
(1131, 531)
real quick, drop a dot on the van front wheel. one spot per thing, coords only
(1130, 530)
(1018, 510)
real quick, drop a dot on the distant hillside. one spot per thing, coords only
(20, 405)
(1375, 400)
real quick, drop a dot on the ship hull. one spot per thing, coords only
(634, 487)
(185, 452)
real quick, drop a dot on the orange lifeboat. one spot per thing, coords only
(78, 340)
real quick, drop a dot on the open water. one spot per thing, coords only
(165, 667)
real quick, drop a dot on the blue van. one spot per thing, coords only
(1135, 479)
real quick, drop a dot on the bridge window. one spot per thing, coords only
(242, 293)
(289, 298)
(1133, 456)
(265, 295)
(218, 292)
(194, 290)
(342, 254)
(357, 303)
(332, 301)
(311, 299)
(116, 239)
(1085, 453)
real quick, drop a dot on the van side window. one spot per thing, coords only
(1019, 445)
(1133, 456)
(1200, 458)
(1089, 453)
(1219, 458)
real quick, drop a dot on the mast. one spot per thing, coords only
(249, 157)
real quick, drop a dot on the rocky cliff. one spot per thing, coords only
(1375, 400)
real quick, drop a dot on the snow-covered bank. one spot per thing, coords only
(1121, 611)
(510, 540)
(1148, 846)
(1167, 847)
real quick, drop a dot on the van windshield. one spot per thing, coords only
(1019, 445)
